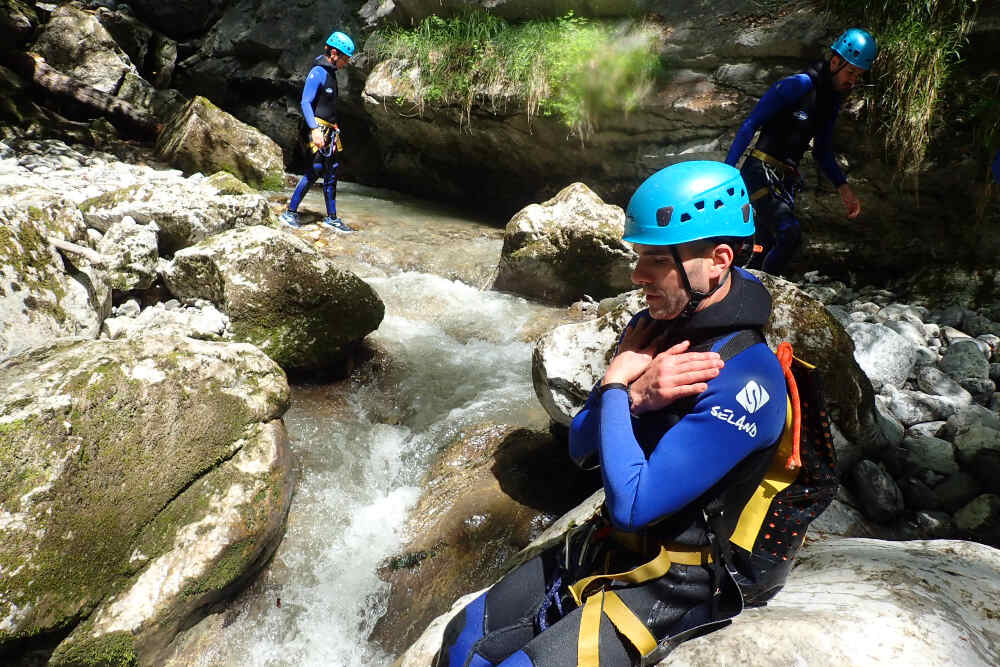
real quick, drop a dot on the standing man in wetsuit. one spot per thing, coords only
(319, 108)
(793, 111)
(683, 424)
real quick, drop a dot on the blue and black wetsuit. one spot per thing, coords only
(662, 472)
(794, 110)
(319, 101)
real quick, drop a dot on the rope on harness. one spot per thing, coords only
(551, 595)
(785, 357)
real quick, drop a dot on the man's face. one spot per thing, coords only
(656, 273)
(340, 60)
(847, 75)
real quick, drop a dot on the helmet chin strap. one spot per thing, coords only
(695, 297)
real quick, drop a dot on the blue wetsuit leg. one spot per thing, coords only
(330, 185)
(787, 238)
(308, 178)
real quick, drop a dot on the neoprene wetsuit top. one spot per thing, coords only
(319, 95)
(660, 463)
(789, 97)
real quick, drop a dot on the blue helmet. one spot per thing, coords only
(342, 43)
(689, 201)
(857, 47)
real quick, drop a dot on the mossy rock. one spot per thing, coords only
(142, 480)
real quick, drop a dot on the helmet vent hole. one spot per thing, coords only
(663, 215)
(731, 191)
(746, 213)
(743, 193)
(700, 205)
(685, 216)
(718, 204)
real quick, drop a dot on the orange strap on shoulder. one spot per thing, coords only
(785, 355)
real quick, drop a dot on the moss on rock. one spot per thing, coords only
(115, 649)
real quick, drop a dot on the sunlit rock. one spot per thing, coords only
(279, 294)
(207, 139)
(884, 355)
(43, 297)
(74, 42)
(142, 481)
(566, 247)
(185, 211)
(132, 253)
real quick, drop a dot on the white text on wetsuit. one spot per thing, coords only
(726, 415)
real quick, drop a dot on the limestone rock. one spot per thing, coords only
(141, 481)
(75, 43)
(133, 252)
(18, 19)
(204, 138)
(185, 212)
(566, 247)
(42, 297)
(280, 294)
(884, 355)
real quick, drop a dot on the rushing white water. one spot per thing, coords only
(455, 356)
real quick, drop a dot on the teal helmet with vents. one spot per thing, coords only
(688, 201)
(342, 43)
(857, 47)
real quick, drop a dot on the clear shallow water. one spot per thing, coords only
(450, 356)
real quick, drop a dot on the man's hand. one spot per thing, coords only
(317, 137)
(851, 202)
(672, 375)
(638, 346)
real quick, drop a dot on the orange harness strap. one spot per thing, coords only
(785, 356)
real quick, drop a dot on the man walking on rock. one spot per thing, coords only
(319, 107)
(793, 111)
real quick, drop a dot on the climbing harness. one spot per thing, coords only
(783, 179)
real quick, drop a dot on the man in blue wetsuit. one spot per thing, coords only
(319, 107)
(684, 424)
(793, 111)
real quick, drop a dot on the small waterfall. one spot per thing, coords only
(455, 356)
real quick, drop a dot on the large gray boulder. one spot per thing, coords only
(42, 296)
(565, 248)
(204, 138)
(74, 42)
(140, 482)
(280, 294)
(185, 211)
(132, 252)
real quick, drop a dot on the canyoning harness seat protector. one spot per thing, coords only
(331, 139)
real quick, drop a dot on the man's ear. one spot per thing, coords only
(722, 258)
(836, 62)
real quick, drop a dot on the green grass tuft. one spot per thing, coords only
(919, 45)
(570, 67)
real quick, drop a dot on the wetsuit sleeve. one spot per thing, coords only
(316, 78)
(784, 92)
(583, 429)
(742, 411)
(823, 150)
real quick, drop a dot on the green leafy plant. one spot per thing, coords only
(569, 67)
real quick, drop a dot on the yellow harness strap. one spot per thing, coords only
(628, 623)
(764, 157)
(776, 479)
(763, 192)
(587, 649)
(608, 602)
